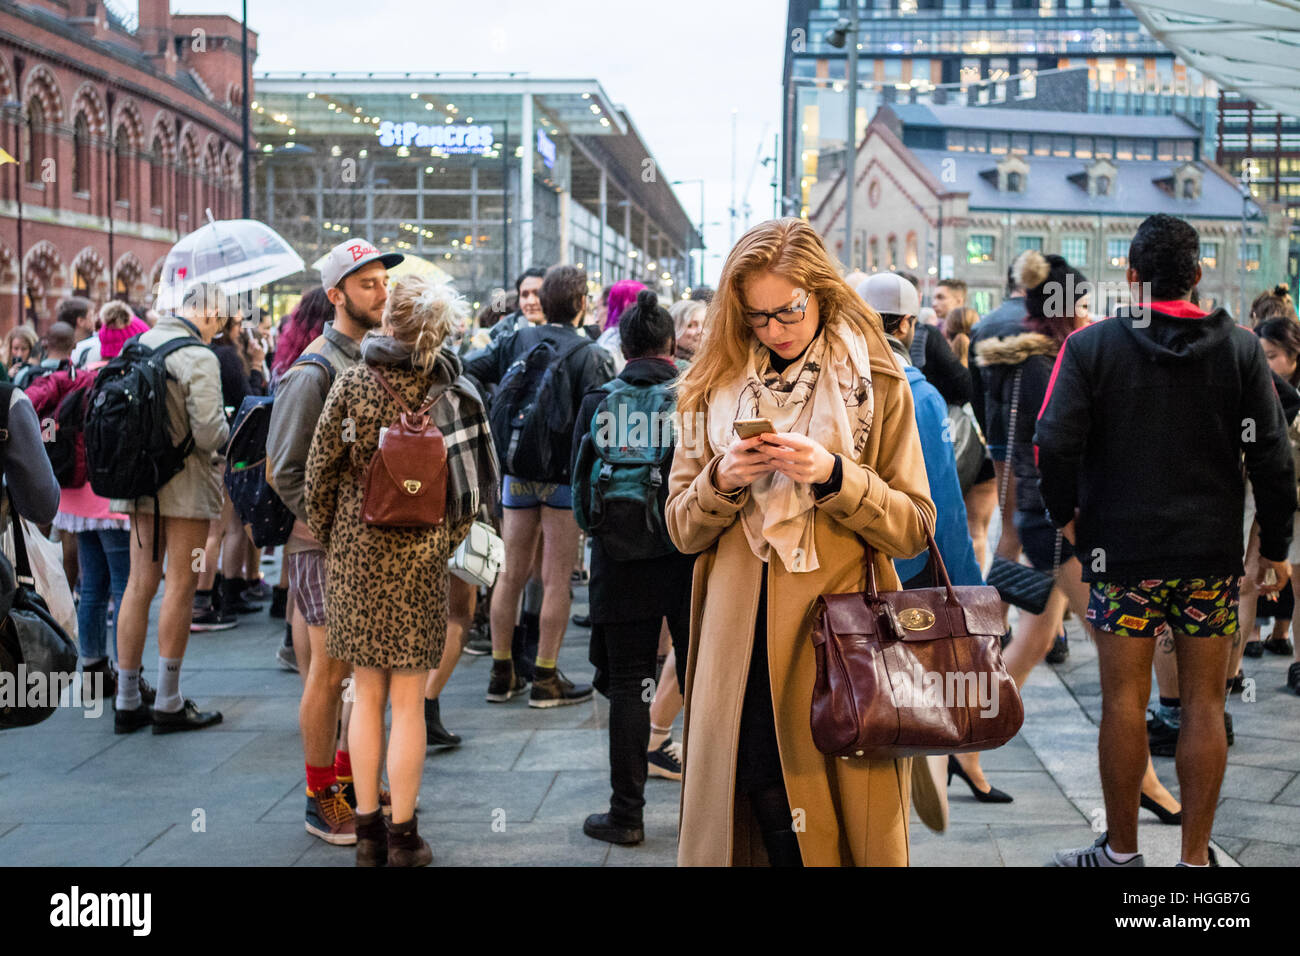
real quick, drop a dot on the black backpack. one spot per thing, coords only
(67, 447)
(532, 413)
(269, 520)
(129, 451)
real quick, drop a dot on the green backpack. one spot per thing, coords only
(617, 478)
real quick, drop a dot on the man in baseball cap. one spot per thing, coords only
(355, 277)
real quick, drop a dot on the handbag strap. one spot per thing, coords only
(938, 569)
(435, 393)
(22, 561)
(1006, 468)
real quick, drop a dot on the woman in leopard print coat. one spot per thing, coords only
(386, 606)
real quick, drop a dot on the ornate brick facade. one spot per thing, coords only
(125, 135)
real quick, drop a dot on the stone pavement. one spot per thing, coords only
(72, 793)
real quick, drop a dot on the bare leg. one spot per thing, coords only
(519, 530)
(406, 741)
(461, 598)
(1202, 753)
(981, 501)
(559, 538)
(1246, 604)
(1125, 664)
(301, 640)
(141, 586)
(366, 735)
(185, 537)
(318, 712)
(211, 554)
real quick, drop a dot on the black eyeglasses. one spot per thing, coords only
(790, 315)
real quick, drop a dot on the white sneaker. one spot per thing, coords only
(1094, 855)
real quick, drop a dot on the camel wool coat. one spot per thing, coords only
(846, 812)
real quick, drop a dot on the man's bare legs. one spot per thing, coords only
(1202, 753)
(1125, 664)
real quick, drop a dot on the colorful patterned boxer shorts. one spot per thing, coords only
(1199, 607)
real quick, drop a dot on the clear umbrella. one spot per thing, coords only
(239, 255)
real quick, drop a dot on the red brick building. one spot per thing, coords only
(125, 134)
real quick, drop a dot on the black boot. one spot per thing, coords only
(232, 600)
(437, 735)
(523, 646)
(279, 602)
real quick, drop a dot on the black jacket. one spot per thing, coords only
(623, 591)
(590, 366)
(931, 353)
(1144, 429)
(1006, 320)
(1029, 355)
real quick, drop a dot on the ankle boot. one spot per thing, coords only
(232, 600)
(405, 845)
(436, 734)
(372, 839)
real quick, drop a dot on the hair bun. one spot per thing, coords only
(1031, 269)
(647, 299)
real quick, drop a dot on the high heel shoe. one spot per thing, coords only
(991, 795)
(1169, 817)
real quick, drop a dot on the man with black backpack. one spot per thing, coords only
(355, 277)
(153, 428)
(543, 372)
(624, 452)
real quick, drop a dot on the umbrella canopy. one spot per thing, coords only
(410, 265)
(239, 255)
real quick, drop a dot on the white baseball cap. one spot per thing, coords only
(349, 256)
(888, 292)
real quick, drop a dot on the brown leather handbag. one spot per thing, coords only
(905, 673)
(406, 481)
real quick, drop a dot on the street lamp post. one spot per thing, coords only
(683, 182)
(1248, 175)
(844, 32)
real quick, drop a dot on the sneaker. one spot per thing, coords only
(478, 645)
(287, 658)
(1094, 855)
(665, 762)
(1214, 860)
(330, 818)
(1162, 740)
(189, 717)
(552, 689)
(347, 787)
(1060, 651)
(212, 618)
(233, 600)
(504, 683)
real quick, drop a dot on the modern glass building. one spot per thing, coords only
(976, 52)
(483, 174)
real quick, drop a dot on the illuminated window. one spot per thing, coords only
(979, 248)
(1209, 255)
(1117, 253)
(1252, 253)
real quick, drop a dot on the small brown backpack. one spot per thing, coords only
(406, 481)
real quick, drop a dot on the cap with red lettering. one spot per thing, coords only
(349, 256)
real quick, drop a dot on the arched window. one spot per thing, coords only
(122, 165)
(81, 155)
(157, 171)
(35, 140)
(891, 247)
(1014, 183)
(873, 255)
(912, 261)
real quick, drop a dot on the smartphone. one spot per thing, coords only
(749, 427)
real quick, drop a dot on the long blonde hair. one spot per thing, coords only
(791, 249)
(421, 314)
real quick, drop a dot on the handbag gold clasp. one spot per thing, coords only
(411, 485)
(916, 619)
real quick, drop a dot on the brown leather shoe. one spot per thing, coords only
(372, 839)
(406, 847)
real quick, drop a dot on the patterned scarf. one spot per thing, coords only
(473, 475)
(827, 395)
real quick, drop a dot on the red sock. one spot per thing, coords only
(320, 778)
(342, 764)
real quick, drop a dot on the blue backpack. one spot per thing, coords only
(618, 477)
(269, 519)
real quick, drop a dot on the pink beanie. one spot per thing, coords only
(112, 340)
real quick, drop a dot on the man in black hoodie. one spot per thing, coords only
(1140, 444)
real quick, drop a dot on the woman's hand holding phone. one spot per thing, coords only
(744, 462)
(799, 457)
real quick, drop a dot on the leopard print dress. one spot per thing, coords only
(386, 603)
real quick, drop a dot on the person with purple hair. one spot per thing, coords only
(300, 327)
(621, 295)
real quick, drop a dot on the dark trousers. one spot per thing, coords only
(632, 651)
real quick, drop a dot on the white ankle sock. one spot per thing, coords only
(1199, 866)
(169, 698)
(1117, 856)
(128, 689)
